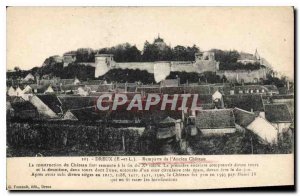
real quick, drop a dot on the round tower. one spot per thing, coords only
(103, 63)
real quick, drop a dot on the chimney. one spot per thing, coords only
(288, 85)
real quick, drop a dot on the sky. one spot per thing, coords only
(35, 33)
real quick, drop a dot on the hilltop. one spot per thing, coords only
(158, 50)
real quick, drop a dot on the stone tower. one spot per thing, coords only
(256, 55)
(103, 63)
(69, 58)
(205, 61)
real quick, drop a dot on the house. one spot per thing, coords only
(246, 58)
(19, 92)
(69, 116)
(251, 103)
(28, 77)
(91, 88)
(47, 105)
(46, 81)
(272, 89)
(52, 102)
(172, 90)
(86, 114)
(198, 89)
(218, 99)
(11, 91)
(69, 89)
(83, 91)
(38, 88)
(24, 110)
(126, 87)
(49, 90)
(93, 82)
(170, 82)
(13, 99)
(289, 100)
(264, 129)
(215, 122)
(217, 96)
(247, 89)
(27, 90)
(105, 88)
(74, 81)
(148, 89)
(279, 116)
(73, 102)
(168, 128)
(242, 117)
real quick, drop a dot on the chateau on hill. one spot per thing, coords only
(204, 62)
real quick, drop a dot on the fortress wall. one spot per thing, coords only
(180, 66)
(246, 75)
(88, 63)
(205, 65)
(147, 66)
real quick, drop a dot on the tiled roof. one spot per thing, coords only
(105, 88)
(172, 90)
(244, 101)
(215, 119)
(242, 117)
(22, 106)
(77, 102)
(51, 101)
(277, 113)
(198, 89)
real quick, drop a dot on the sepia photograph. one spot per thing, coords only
(149, 81)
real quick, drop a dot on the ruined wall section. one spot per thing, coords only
(247, 76)
(147, 66)
(183, 66)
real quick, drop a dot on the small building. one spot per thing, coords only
(170, 83)
(24, 110)
(38, 88)
(28, 77)
(19, 92)
(168, 128)
(105, 88)
(264, 129)
(242, 117)
(49, 90)
(251, 103)
(218, 99)
(279, 116)
(48, 106)
(69, 116)
(199, 89)
(64, 82)
(272, 89)
(27, 90)
(246, 58)
(83, 91)
(217, 96)
(11, 91)
(68, 58)
(215, 122)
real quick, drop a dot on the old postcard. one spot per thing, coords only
(149, 98)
